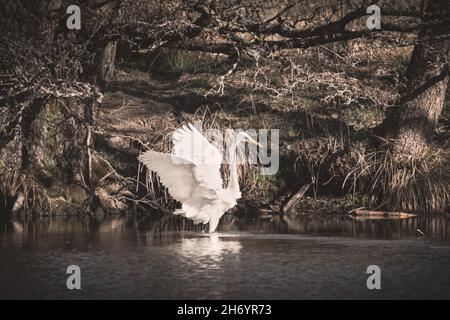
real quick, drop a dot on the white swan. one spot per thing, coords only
(192, 175)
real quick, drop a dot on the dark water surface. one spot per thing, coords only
(304, 258)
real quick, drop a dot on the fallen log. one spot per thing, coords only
(382, 214)
(295, 198)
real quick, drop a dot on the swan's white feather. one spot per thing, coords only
(190, 144)
(192, 176)
(176, 174)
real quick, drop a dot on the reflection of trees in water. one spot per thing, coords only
(435, 227)
(111, 232)
(81, 233)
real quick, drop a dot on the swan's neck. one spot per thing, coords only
(233, 185)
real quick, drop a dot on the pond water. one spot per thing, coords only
(314, 257)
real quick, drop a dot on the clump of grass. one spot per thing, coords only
(254, 185)
(360, 117)
(419, 185)
(319, 162)
(174, 60)
(26, 191)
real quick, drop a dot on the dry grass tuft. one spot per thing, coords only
(27, 193)
(420, 185)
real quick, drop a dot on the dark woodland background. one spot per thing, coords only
(363, 114)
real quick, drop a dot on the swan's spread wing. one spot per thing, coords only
(176, 174)
(190, 144)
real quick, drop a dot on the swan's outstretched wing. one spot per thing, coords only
(190, 144)
(176, 174)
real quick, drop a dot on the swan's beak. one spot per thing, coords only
(252, 141)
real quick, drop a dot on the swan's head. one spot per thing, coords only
(242, 137)
(236, 146)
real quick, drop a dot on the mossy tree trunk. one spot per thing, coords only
(414, 123)
(106, 63)
(105, 46)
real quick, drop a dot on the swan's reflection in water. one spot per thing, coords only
(209, 251)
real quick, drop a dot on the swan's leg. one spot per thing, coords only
(213, 223)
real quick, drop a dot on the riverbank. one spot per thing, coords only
(140, 112)
(327, 113)
(327, 121)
